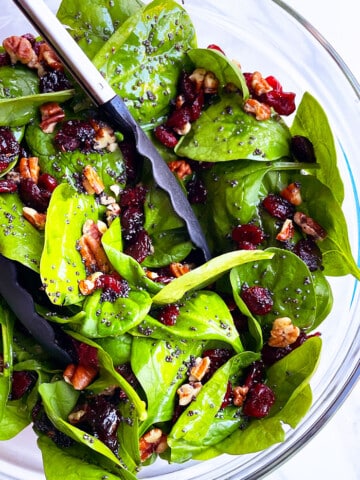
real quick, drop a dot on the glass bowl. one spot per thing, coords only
(270, 37)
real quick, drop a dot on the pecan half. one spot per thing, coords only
(259, 84)
(188, 392)
(92, 182)
(178, 269)
(51, 114)
(239, 395)
(29, 168)
(292, 193)
(20, 50)
(287, 231)
(79, 376)
(48, 56)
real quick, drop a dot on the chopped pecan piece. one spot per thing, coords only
(92, 182)
(309, 226)
(239, 395)
(188, 392)
(51, 114)
(88, 285)
(292, 193)
(105, 137)
(181, 168)
(259, 84)
(154, 441)
(48, 56)
(260, 110)
(29, 168)
(201, 367)
(91, 249)
(79, 376)
(36, 218)
(20, 49)
(198, 76)
(287, 231)
(283, 333)
(211, 83)
(179, 269)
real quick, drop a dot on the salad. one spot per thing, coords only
(172, 358)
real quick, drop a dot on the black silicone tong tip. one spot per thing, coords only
(22, 304)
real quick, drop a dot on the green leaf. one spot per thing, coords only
(311, 121)
(224, 131)
(206, 274)
(144, 57)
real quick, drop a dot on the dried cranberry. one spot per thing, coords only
(87, 355)
(178, 118)
(248, 235)
(140, 247)
(9, 147)
(30, 37)
(166, 136)
(274, 83)
(132, 220)
(255, 374)
(196, 190)
(42, 424)
(131, 159)
(47, 182)
(168, 314)
(22, 382)
(270, 355)
(32, 196)
(309, 252)
(278, 207)
(187, 88)
(302, 149)
(212, 46)
(7, 186)
(259, 400)
(75, 134)
(133, 196)
(54, 81)
(113, 286)
(228, 397)
(197, 106)
(4, 59)
(217, 356)
(282, 102)
(258, 299)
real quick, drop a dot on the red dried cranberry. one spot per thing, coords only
(278, 207)
(113, 286)
(212, 46)
(259, 400)
(22, 382)
(132, 220)
(197, 106)
(196, 190)
(54, 81)
(274, 83)
(302, 149)
(282, 102)
(258, 299)
(134, 196)
(309, 252)
(228, 397)
(248, 235)
(7, 186)
(9, 147)
(168, 314)
(255, 374)
(217, 356)
(166, 136)
(32, 196)
(187, 88)
(30, 37)
(178, 118)
(42, 424)
(4, 59)
(131, 158)
(140, 246)
(75, 134)
(87, 355)
(47, 182)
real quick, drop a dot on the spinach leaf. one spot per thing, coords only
(6, 339)
(224, 131)
(192, 431)
(225, 70)
(289, 280)
(203, 315)
(144, 57)
(61, 265)
(206, 274)
(91, 25)
(19, 240)
(311, 121)
(160, 367)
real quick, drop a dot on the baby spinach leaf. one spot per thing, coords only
(224, 131)
(18, 81)
(102, 318)
(91, 24)
(19, 240)
(203, 315)
(311, 121)
(144, 57)
(206, 274)
(15, 112)
(288, 279)
(191, 430)
(61, 265)
(6, 339)
(225, 70)
(76, 462)
(160, 367)
(118, 347)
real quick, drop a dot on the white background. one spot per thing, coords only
(334, 452)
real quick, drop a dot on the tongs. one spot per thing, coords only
(103, 96)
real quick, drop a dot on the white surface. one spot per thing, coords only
(334, 452)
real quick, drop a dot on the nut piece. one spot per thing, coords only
(287, 231)
(259, 84)
(198, 76)
(154, 441)
(201, 367)
(283, 333)
(36, 219)
(239, 395)
(91, 249)
(79, 376)
(87, 286)
(309, 226)
(48, 56)
(105, 137)
(181, 168)
(20, 49)
(29, 168)
(51, 114)
(92, 182)
(260, 110)
(292, 193)
(179, 269)
(211, 83)
(188, 392)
